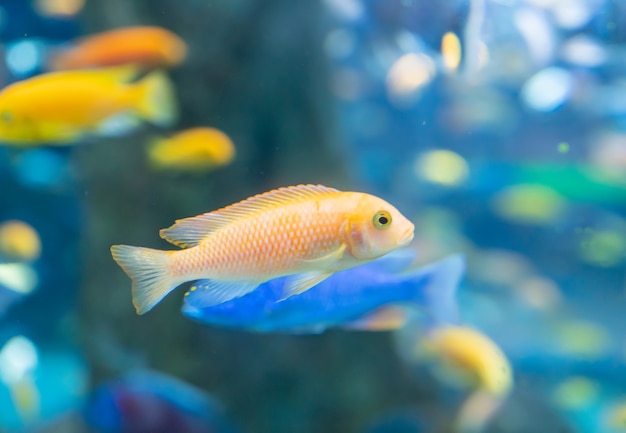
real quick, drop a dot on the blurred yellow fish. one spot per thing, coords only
(146, 46)
(468, 357)
(308, 231)
(62, 107)
(19, 241)
(469, 351)
(195, 149)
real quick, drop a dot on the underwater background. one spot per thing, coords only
(498, 127)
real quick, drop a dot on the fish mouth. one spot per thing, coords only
(407, 236)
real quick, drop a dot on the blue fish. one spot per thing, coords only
(380, 295)
(146, 401)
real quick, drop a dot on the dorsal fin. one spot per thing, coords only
(188, 232)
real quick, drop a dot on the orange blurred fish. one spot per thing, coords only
(145, 46)
(194, 149)
(307, 231)
(63, 107)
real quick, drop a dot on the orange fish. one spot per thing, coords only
(62, 107)
(307, 231)
(145, 46)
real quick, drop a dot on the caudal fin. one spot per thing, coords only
(156, 100)
(150, 272)
(434, 287)
(439, 295)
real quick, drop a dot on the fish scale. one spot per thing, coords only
(277, 233)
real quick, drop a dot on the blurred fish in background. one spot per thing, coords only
(148, 47)
(64, 107)
(463, 358)
(198, 149)
(147, 401)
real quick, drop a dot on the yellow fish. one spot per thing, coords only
(307, 231)
(62, 107)
(192, 149)
(465, 357)
(471, 355)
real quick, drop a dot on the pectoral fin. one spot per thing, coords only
(214, 292)
(302, 282)
(333, 256)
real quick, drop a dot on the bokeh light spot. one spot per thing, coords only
(539, 293)
(59, 8)
(23, 57)
(615, 415)
(409, 74)
(17, 358)
(42, 168)
(548, 89)
(348, 10)
(499, 266)
(443, 167)
(603, 247)
(584, 51)
(576, 393)
(538, 33)
(18, 277)
(530, 204)
(451, 51)
(19, 241)
(581, 338)
(572, 14)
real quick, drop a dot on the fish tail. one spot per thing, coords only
(156, 100)
(149, 270)
(439, 296)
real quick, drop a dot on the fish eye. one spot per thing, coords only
(7, 117)
(382, 220)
